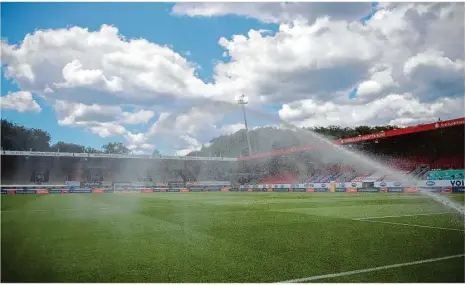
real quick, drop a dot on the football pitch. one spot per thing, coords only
(230, 237)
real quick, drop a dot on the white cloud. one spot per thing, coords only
(398, 109)
(138, 143)
(276, 12)
(75, 59)
(107, 129)
(138, 117)
(21, 101)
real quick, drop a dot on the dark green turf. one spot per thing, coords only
(224, 237)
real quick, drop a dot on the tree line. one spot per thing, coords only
(16, 137)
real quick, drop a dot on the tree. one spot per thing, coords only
(16, 137)
(67, 147)
(92, 150)
(115, 148)
(156, 152)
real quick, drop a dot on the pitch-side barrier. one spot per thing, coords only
(439, 186)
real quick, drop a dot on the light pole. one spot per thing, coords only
(242, 101)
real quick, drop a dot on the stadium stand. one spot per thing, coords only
(445, 174)
(421, 153)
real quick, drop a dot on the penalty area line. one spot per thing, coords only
(411, 215)
(410, 225)
(346, 273)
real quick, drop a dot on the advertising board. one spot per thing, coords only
(320, 189)
(458, 189)
(58, 191)
(420, 183)
(299, 189)
(25, 191)
(395, 189)
(368, 190)
(40, 191)
(441, 183)
(80, 190)
(321, 185)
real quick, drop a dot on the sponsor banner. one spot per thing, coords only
(25, 191)
(351, 189)
(147, 190)
(173, 190)
(269, 189)
(299, 189)
(10, 191)
(395, 189)
(98, 191)
(441, 183)
(388, 184)
(353, 184)
(73, 183)
(368, 190)
(280, 186)
(109, 191)
(321, 185)
(310, 190)
(225, 189)
(161, 184)
(41, 191)
(184, 190)
(196, 189)
(458, 189)
(383, 190)
(209, 183)
(212, 189)
(411, 190)
(321, 189)
(340, 190)
(80, 190)
(57, 191)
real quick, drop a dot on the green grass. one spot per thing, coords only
(225, 237)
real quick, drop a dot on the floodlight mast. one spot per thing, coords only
(242, 101)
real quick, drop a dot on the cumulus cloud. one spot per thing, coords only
(21, 101)
(397, 109)
(276, 12)
(75, 60)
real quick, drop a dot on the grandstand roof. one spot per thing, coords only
(369, 137)
(106, 155)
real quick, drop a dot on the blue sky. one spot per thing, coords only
(195, 38)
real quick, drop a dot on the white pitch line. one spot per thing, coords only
(412, 215)
(317, 277)
(411, 225)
